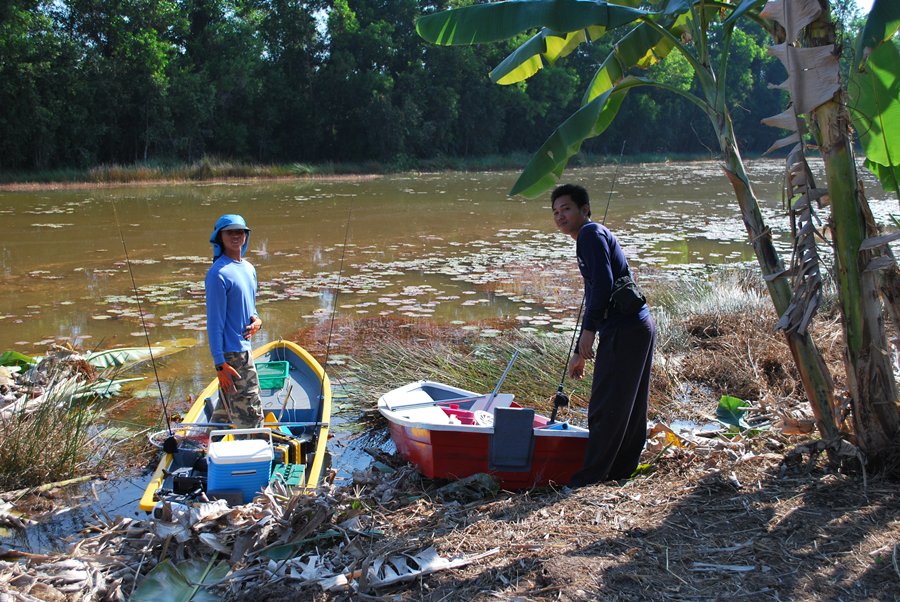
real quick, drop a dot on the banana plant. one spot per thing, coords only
(646, 36)
(807, 50)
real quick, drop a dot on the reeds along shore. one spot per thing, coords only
(212, 168)
(715, 338)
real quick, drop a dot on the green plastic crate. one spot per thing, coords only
(290, 474)
(272, 374)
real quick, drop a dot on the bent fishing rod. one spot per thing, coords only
(560, 399)
(170, 445)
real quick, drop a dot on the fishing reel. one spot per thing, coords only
(170, 445)
(560, 400)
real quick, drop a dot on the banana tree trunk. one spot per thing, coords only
(814, 374)
(873, 392)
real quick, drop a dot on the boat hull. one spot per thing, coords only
(303, 402)
(454, 451)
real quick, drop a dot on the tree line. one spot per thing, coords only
(88, 82)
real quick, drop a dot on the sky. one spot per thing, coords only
(864, 5)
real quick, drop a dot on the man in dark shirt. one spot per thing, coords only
(620, 390)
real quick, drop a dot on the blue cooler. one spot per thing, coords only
(239, 466)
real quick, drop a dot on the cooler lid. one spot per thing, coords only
(240, 452)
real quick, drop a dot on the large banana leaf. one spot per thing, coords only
(546, 47)
(14, 358)
(529, 58)
(482, 23)
(874, 100)
(641, 47)
(116, 358)
(881, 25)
(547, 164)
(875, 108)
(182, 583)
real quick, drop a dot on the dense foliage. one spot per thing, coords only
(84, 82)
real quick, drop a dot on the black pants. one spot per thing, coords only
(620, 391)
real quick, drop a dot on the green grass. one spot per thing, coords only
(465, 360)
(46, 445)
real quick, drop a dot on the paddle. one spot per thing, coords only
(490, 401)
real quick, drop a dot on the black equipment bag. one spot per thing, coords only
(626, 298)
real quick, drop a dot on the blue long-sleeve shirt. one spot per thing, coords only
(230, 305)
(601, 261)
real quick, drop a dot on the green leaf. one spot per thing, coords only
(101, 388)
(482, 23)
(881, 25)
(731, 411)
(115, 358)
(548, 163)
(641, 47)
(547, 46)
(182, 583)
(888, 175)
(875, 109)
(742, 8)
(14, 358)
(529, 58)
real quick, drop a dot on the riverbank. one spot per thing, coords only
(213, 170)
(713, 514)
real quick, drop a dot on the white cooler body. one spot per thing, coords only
(242, 466)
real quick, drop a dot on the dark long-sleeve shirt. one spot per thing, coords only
(601, 261)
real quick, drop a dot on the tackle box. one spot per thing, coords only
(272, 374)
(242, 465)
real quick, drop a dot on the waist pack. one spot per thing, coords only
(626, 298)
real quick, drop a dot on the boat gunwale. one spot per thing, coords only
(393, 415)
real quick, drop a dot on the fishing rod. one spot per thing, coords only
(560, 399)
(337, 292)
(613, 185)
(170, 445)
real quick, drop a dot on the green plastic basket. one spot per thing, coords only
(272, 374)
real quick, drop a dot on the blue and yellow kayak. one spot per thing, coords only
(296, 403)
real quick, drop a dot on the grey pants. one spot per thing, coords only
(241, 408)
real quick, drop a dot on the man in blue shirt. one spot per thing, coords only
(620, 390)
(231, 319)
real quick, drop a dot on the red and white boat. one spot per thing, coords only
(451, 433)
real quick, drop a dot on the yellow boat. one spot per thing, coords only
(296, 402)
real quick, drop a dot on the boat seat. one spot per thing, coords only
(396, 400)
(427, 414)
(512, 444)
(501, 400)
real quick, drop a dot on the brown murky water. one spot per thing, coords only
(442, 246)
